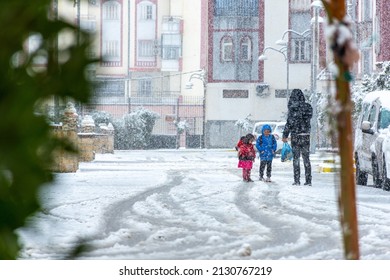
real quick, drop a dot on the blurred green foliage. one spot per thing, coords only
(26, 144)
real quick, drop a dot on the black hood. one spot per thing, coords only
(296, 96)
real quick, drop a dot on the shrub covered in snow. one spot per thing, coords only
(134, 130)
(181, 126)
(244, 124)
(101, 117)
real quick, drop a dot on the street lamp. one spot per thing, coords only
(200, 75)
(282, 51)
(283, 42)
(316, 5)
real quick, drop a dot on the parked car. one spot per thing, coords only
(277, 131)
(372, 140)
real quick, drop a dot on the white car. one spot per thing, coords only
(372, 140)
(277, 131)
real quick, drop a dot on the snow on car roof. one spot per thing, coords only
(384, 96)
(270, 123)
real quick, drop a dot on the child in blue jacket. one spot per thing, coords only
(266, 145)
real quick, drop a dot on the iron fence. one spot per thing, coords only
(170, 109)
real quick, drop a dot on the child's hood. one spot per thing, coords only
(266, 127)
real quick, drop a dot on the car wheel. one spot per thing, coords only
(385, 180)
(375, 172)
(361, 176)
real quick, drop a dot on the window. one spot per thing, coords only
(145, 87)
(366, 60)
(299, 5)
(147, 12)
(171, 46)
(280, 93)
(111, 11)
(171, 53)
(111, 33)
(110, 50)
(171, 26)
(300, 46)
(372, 116)
(300, 50)
(233, 93)
(365, 112)
(246, 49)
(384, 118)
(146, 48)
(236, 7)
(227, 49)
(367, 10)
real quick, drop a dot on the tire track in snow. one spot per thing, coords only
(192, 226)
(124, 209)
(140, 214)
(286, 224)
(264, 214)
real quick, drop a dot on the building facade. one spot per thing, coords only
(141, 46)
(239, 84)
(152, 49)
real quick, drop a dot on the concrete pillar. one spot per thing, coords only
(182, 140)
(66, 161)
(87, 139)
(111, 132)
(88, 124)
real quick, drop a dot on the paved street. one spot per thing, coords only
(192, 204)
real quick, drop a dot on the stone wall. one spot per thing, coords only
(104, 139)
(94, 140)
(88, 141)
(86, 146)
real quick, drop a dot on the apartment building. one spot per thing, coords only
(152, 49)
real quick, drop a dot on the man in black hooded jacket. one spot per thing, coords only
(298, 124)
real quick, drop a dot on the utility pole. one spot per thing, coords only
(314, 67)
(345, 55)
(55, 63)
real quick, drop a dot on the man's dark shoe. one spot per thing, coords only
(296, 184)
(307, 184)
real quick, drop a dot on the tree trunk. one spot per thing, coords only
(347, 196)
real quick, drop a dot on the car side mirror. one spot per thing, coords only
(366, 127)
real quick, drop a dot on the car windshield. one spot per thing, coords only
(260, 127)
(384, 121)
(279, 129)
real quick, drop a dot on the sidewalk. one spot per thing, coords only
(328, 162)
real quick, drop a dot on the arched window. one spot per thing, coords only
(299, 46)
(246, 49)
(146, 33)
(227, 48)
(111, 33)
(147, 12)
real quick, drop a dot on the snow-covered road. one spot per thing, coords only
(192, 204)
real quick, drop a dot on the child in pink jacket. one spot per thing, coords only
(246, 157)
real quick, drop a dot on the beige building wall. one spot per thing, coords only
(191, 46)
(266, 107)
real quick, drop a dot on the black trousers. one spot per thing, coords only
(300, 145)
(263, 164)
